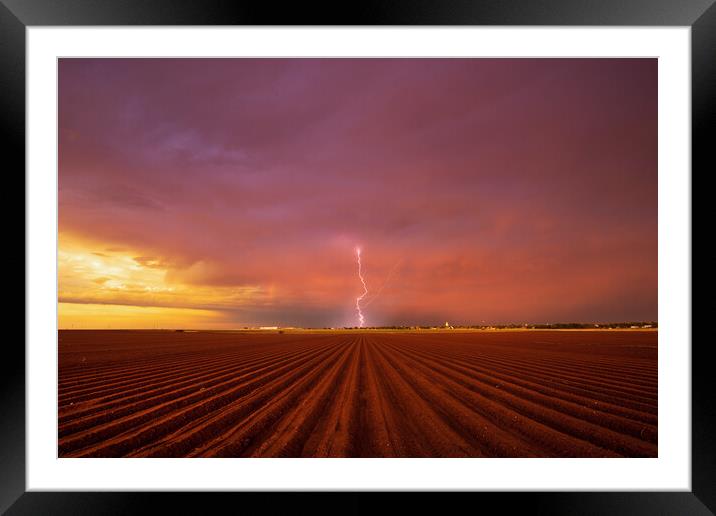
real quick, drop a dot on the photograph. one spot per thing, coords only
(357, 257)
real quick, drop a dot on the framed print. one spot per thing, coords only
(420, 249)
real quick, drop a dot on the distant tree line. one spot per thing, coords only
(613, 325)
(539, 326)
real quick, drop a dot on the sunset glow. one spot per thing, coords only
(223, 193)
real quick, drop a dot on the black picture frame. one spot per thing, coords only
(17, 15)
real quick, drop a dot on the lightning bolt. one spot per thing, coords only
(361, 319)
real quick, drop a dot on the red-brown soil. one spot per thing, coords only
(358, 394)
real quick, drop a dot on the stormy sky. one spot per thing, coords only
(232, 192)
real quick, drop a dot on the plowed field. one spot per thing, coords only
(357, 394)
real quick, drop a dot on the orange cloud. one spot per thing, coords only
(118, 278)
